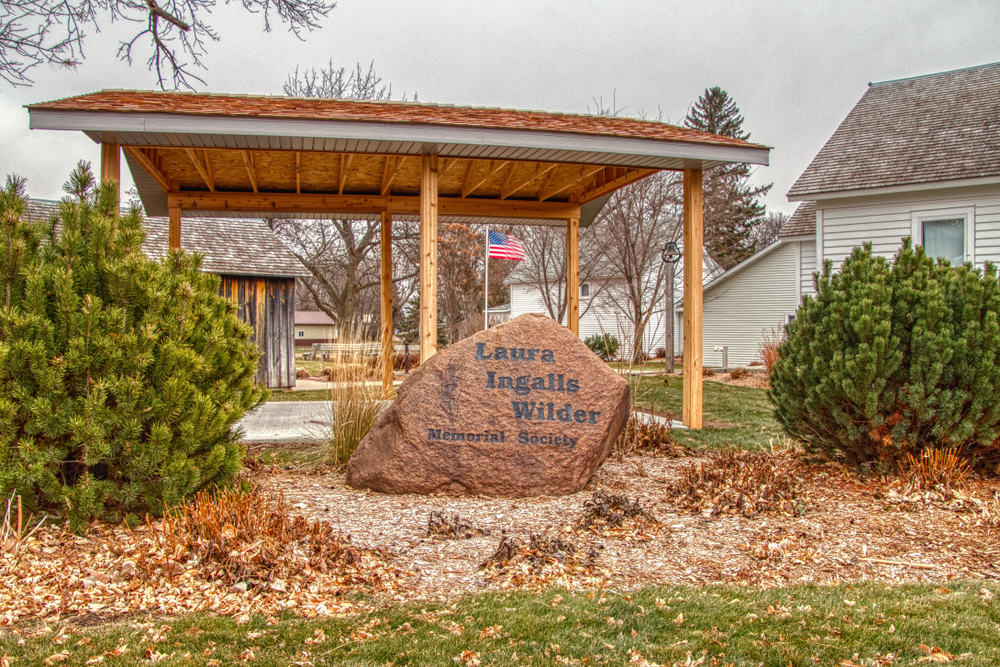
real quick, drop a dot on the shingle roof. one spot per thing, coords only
(230, 247)
(315, 317)
(926, 129)
(379, 111)
(803, 221)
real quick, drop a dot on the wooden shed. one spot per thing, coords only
(258, 274)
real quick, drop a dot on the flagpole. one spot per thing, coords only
(486, 288)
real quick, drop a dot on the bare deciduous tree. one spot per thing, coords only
(173, 32)
(339, 83)
(630, 233)
(545, 269)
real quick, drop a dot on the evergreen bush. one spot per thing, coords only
(120, 377)
(891, 358)
(603, 345)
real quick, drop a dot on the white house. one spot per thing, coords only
(603, 306)
(916, 157)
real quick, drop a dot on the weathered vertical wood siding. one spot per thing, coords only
(267, 305)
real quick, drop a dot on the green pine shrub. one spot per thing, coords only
(892, 358)
(120, 377)
(603, 345)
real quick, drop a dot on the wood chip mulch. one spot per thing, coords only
(851, 530)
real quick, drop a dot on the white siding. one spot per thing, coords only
(988, 232)
(807, 266)
(885, 220)
(739, 310)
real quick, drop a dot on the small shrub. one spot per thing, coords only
(604, 509)
(891, 358)
(707, 372)
(738, 373)
(661, 353)
(737, 481)
(650, 438)
(935, 470)
(121, 378)
(302, 374)
(441, 527)
(603, 345)
(769, 348)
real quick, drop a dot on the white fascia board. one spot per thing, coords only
(799, 237)
(894, 189)
(432, 135)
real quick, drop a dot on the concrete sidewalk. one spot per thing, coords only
(282, 422)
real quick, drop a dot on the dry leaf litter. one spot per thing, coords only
(307, 539)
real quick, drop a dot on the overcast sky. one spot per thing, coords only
(795, 68)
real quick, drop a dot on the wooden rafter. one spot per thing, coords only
(473, 183)
(553, 190)
(389, 173)
(145, 157)
(446, 165)
(248, 163)
(630, 176)
(201, 169)
(298, 172)
(540, 171)
(398, 204)
(345, 164)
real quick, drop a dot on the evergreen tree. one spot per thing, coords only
(120, 378)
(731, 207)
(892, 357)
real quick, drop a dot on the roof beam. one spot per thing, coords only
(556, 189)
(207, 177)
(472, 186)
(140, 156)
(389, 174)
(398, 204)
(630, 176)
(248, 163)
(511, 188)
(298, 172)
(345, 164)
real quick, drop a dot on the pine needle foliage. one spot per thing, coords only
(892, 357)
(120, 377)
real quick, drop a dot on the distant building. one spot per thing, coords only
(314, 326)
(917, 157)
(258, 274)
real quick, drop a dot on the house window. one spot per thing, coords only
(585, 290)
(301, 334)
(945, 234)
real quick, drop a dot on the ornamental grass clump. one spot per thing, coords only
(891, 358)
(356, 394)
(121, 378)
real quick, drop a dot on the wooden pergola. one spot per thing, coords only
(243, 156)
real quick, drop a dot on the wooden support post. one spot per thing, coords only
(573, 275)
(111, 164)
(388, 350)
(428, 256)
(175, 228)
(693, 283)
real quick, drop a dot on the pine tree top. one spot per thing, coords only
(717, 113)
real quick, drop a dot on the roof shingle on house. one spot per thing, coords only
(803, 221)
(313, 317)
(378, 111)
(230, 247)
(933, 128)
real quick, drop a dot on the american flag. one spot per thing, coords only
(505, 246)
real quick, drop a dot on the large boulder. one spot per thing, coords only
(522, 409)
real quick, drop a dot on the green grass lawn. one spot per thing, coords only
(798, 626)
(738, 416)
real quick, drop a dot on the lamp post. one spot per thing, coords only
(671, 255)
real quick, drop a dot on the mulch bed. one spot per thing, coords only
(637, 530)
